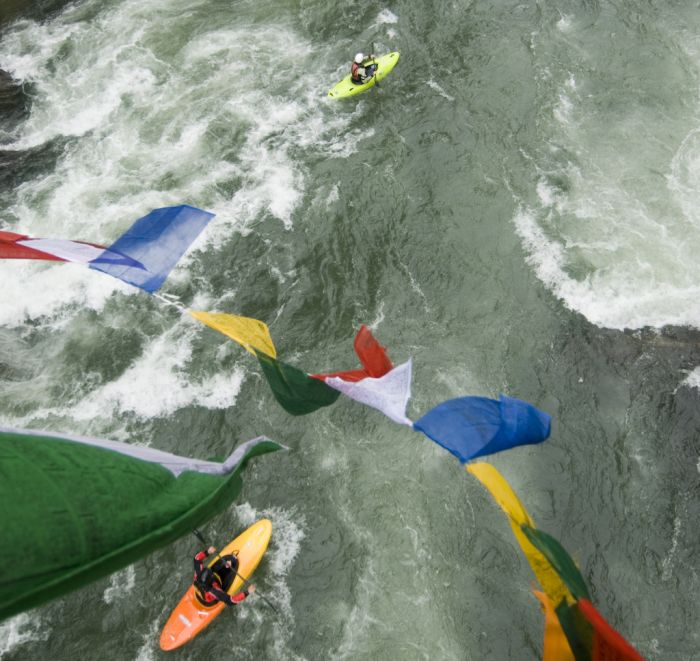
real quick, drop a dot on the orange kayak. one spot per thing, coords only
(190, 616)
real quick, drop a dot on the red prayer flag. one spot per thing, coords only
(608, 644)
(10, 248)
(372, 355)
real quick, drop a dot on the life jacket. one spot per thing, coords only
(353, 71)
(203, 581)
(206, 576)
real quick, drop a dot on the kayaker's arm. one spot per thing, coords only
(227, 598)
(198, 562)
(200, 557)
(203, 554)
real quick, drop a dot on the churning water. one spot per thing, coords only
(516, 208)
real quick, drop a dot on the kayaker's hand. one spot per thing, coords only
(211, 550)
(251, 589)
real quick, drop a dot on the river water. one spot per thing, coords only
(516, 208)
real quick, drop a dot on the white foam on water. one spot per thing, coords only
(333, 195)
(563, 110)
(619, 294)
(614, 230)
(157, 384)
(387, 16)
(127, 111)
(608, 254)
(115, 87)
(433, 85)
(564, 23)
(288, 532)
(348, 143)
(121, 584)
(35, 290)
(684, 177)
(668, 562)
(415, 286)
(376, 322)
(546, 193)
(149, 649)
(21, 629)
(693, 379)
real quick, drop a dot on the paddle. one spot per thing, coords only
(200, 537)
(376, 80)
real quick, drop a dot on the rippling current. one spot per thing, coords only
(516, 208)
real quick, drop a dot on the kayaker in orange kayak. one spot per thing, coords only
(211, 583)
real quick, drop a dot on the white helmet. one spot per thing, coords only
(359, 57)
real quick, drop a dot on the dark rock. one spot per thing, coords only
(18, 165)
(14, 103)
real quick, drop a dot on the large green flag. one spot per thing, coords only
(296, 391)
(76, 509)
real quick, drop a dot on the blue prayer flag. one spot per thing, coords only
(156, 242)
(470, 427)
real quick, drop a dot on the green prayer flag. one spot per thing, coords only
(578, 632)
(296, 391)
(74, 509)
(560, 560)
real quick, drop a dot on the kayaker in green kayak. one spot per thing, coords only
(362, 68)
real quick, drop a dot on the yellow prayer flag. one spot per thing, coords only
(250, 333)
(505, 496)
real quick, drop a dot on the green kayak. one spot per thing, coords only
(346, 87)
